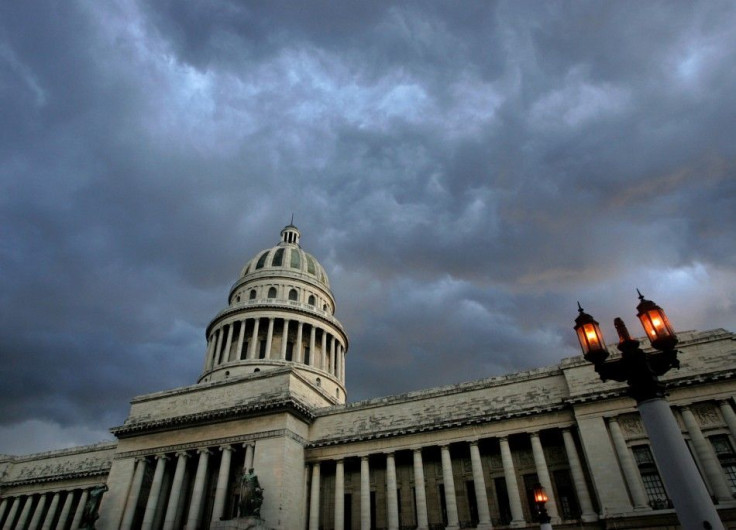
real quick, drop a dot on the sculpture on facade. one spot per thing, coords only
(90, 515)
(251, 495)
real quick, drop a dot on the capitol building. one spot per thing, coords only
(272, 397)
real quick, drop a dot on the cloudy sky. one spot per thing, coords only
(464, 171)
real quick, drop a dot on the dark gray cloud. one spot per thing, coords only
(464, 173)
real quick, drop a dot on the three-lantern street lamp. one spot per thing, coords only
(641, 371)
(540, 499)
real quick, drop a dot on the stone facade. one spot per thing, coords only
(271, 398)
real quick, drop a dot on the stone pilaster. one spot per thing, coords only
(314, 499)
(339, 495)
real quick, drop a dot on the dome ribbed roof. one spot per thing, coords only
(287, 256)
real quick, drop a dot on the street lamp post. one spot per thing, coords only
(641, 371)
(540, 499)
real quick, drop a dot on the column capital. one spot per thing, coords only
(533, 434)
(182, 454)
(204, 451)
(246, 444)
(473, 441)
(417, 449)
(159, 456)
(226, 447)
(364, 457)
(389, 453)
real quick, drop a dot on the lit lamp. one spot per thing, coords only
(540, 499)
(641, 371)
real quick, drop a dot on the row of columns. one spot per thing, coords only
(173, 507)
(484, 517)
(330, 357)
(41, 518)
(704, 453)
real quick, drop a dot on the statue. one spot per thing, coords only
(251, 495)
(90, 515)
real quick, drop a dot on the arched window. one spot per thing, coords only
(324, 307)
(319, 382)
(311, 300)
(272, 292)
(261, 260)
(252, 295)
(310, 265)
(293, 295)
(278, 258)
(296, 262)
(256, 370)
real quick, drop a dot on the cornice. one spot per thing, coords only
(104, 471)
(289, 404)
(230, 440)
(479, 419)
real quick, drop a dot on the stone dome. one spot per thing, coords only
(287, 256)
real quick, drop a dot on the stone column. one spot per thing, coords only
(228, 342)
(333, 360)
(11, 513)
(540, 463)
(314, 499)
(248, 463)
(392, 502)
(342, 362)
(134, 493)
(707, 458)
(52, 511)
(176, 485)
(298, 354)
(420, 491)
(323, 352)
(729, 415)
(284, 339)
(208, 362)
(339, 495)
(80, 510)
(269, 338)
(449, 484)
(3, 506)
(578, 478)
(25, 513)
(223, 477)
(628, 466)
(195, 507)
(479, 484)
(66, 510)
(155, 494)
(241, 338)
(38, 512)
(365, 494)
(253, 350)
(312, 348)
(512, 486)
(218, 347)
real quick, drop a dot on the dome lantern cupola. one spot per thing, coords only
(290, 235)
(280, 313)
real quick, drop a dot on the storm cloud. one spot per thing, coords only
(465, 173)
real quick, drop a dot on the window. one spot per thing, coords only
(296, 262)
(252, 295)
(293, 295)
(650, 477)
(310, 265)
(311, 300)
(272, 292)
(262, 260)
(278, 258)
(727, 458)
(262, 349)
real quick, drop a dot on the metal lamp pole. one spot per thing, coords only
(641, 372)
